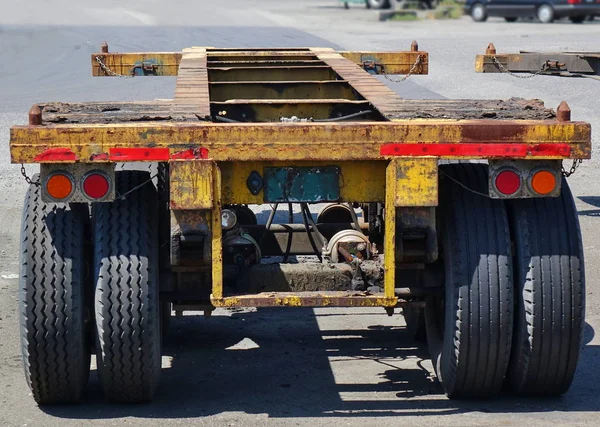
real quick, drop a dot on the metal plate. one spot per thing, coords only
(299, 185)
(525, 169)
(77, 171)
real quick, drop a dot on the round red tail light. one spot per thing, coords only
(96, 185)
(508, 182)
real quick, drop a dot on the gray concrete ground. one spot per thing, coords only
(281, 367)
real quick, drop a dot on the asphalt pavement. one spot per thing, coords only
(282, 366)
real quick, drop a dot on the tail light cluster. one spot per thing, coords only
(523, 179)
(77, 183)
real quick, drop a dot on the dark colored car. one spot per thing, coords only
(544, 10)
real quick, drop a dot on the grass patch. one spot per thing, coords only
(404, 16)
(448, 9)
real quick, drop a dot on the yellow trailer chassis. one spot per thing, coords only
(293, 127)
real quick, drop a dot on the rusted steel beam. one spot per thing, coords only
(294, 141)
(265, 63)
(279, 73)
(268, 110)
(390, 62)
(307, 299)
(135, 64)
(553, 63)
(105, 64)
(329, 89)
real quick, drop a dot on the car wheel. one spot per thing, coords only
(577, 19)
(479, 13)
(378, 4)
(545, 14)
(510, 19)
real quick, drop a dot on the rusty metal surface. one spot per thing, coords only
(416, 182)
(291, 141)
(271, 110)
(327, 89)
(191, 184)
(167, 63)
(164, 111)
(559, 63)
(307, 299)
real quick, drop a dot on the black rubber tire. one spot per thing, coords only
(126, 299)
(550, 294)
(577, 19)
(52, 296)
(414, 317)
(469, 329)
(479, 12)
(378, 4)
(510, 18)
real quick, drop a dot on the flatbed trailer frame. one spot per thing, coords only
(271, 126)
(564, 64)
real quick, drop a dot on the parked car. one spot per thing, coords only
(386, 4)
(544, 10)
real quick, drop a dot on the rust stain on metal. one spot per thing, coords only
(191, 184)
(563, 112)
(307, 299)
(35, 116)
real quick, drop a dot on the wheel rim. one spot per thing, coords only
(478, 13)
(545, 14)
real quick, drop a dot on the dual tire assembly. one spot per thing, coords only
(91, 286)
(512, 310)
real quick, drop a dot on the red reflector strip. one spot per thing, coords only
(476, 150)
(155, 154)
(192, 153)
(56, 155)
(139, 154)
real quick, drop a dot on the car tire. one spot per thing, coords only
(378, 4)
(545, 14)
(510, 19)
(577, 19)
(479, 13)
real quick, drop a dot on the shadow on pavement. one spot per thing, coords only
(592, 200)
(288, 373)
